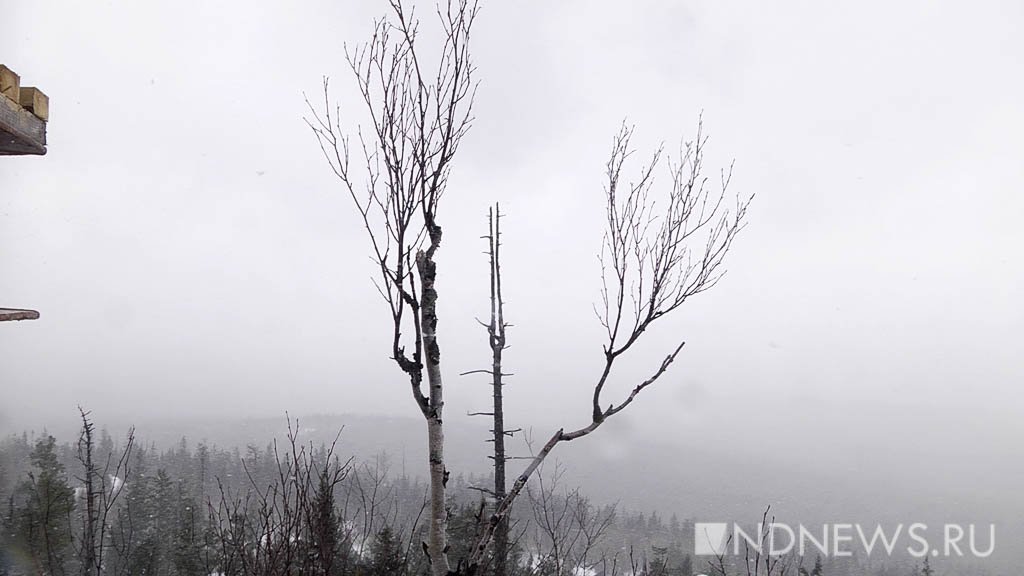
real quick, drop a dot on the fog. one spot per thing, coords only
(193, 256)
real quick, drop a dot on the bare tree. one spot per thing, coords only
(418, 118)
(102, 486)
(287, 525)
(655, 256)
(756, 561)
(497, 343)
(567, 528)
(496, 339)
(370, 503)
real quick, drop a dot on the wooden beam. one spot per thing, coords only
(21, 132)
(10, 83)
(10, 314)
(33, 100)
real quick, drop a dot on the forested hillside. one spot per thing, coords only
(299, 506)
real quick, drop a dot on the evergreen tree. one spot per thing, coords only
(658, 566)
(674, 526)
(40, 511)
(463, 526)
(686, 566)
(325, 530)
(816, 571)
(7, 538)
(137, 537)
(387, 555)
(654, 524)
(189, 538)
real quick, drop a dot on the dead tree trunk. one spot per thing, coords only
(497, 343)
(102, 488)
(496, 334)
(85, 457)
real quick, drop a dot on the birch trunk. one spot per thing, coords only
(437, 539)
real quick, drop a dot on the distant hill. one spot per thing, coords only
(612, 465)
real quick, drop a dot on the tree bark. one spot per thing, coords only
(437, 539)
(497, 341)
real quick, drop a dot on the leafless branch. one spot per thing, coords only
(417, 121)
(654, 257)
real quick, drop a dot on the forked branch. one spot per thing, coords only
(658, 251)
(417, 121)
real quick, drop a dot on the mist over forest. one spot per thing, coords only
(654, 496)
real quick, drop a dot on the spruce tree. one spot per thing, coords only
(325, 529)
(41, 511)
(388, 558)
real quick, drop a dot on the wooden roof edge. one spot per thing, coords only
(11, 314)
(24, 113)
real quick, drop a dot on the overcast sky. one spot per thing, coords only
(191, 253)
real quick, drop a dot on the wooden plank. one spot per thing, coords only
(10, 314)
(20, 131)
(33, 100)
(10, 83)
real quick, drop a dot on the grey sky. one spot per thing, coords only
(191, 253)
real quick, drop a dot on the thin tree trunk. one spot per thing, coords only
(437, 540)
(89, 532)
(501, 532)
(497, 340)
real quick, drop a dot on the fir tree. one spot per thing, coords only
(325, 530)
(816, 571)
(40, 512)
(388, 558)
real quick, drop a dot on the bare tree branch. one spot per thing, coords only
(654, 257)
(417, 121)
